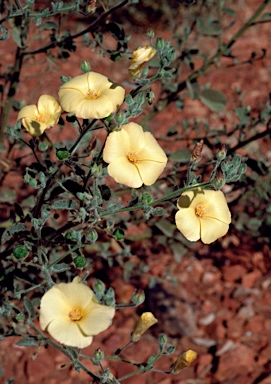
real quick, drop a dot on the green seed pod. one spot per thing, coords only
(20, 252)
(80, 262)
(62, 154)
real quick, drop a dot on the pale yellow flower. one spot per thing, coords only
(72, 315)
(203, 214)
(37, 118)
(134, 156)
(90, 96)
(145, 321)
(140, 56)
(183, 361)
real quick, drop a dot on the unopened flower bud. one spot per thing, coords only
(183, 361)
(43, 146)
(118, 234)
(65, 79)
(196, 152)
(62, 154)
(219, 180)
(80, 262)
(140, 56)
(85, 66)
(145, 322)
(162, 339)
(98, 354)
(159, 43)
(138, 297)
(20, 252)
(221, 153)
(99, 286)
(150, 33)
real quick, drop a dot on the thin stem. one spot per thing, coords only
(63, 256)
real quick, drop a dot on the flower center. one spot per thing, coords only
(200, 211)
(132, 157)
(76, 314)
(92, 95)
(41, 119)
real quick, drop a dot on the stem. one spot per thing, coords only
(158, 201)
(63, 256)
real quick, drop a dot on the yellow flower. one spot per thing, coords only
(90, 96)
(145, 321)
(140, 56)
(36, 119)
(134, 156)
(183, 361)
(72, 315)
(203, 215)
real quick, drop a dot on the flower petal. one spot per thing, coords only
(78, 83)
(70, 99)
(30, 112)
(217, 207)
(97, 318)
(116, 96)
(152, 150)
(212, 229)
(124, 172)
(48, 106)
(150, 171)
(136, 136)
(69, 333)
(188, 223)
(53, 305)
(117, 145)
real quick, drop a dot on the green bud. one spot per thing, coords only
(159, 45)
(43, 146)
(65, 79)
(236, 161)
(20, 317)
(33, 182)
(69, 237)
(242, 168)
(219, 180)
(92, 236)
(120, 118)
(85, 66)
(162, 339)
(99, 286)
(170, 350)
(20, 252)
(98, 354)
(118, 234)
(62, 154)
(150, 97)
(150, 33)
(221, 153)
(138, 297)
(80, 262)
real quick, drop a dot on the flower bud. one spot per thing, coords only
(85, 66)
(162, 339)
(99, 286)
(145, 322)
(196, 152)
(221, 153)
(98, 354)
(62, 154)
(118, 234)
(150, 33)
(20, 252)
(170, 350)
(138, 297)
(65, 79)
(80, 262)
(159, 43)
(140, 56)
(219, 180)
(183, 361)
(43, 146)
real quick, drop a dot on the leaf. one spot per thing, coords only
(29, 306)
(7, 196)
(9, 232)
(181, 155)
(64, 204)
(213, 99)
(48, 25)
(29, 342)
(60, 267)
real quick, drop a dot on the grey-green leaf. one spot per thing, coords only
(213, 99)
